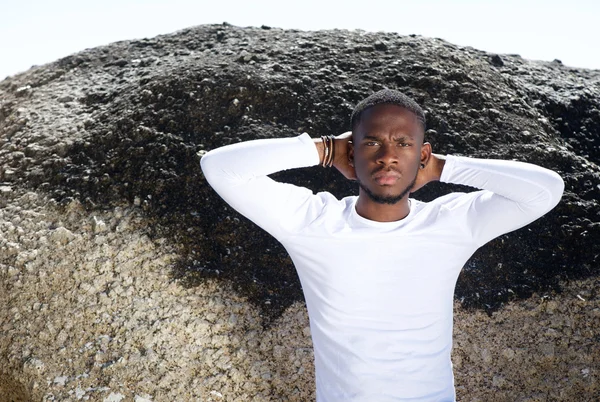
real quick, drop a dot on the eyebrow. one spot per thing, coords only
(402, 138)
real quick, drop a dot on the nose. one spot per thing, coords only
(387, 154)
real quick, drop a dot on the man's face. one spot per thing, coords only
(386, 152)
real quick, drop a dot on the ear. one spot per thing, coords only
(425, 153)
(351, 153)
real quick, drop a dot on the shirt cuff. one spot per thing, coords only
(448, 169)
(312, 155)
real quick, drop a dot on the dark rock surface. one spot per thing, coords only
(127, 123)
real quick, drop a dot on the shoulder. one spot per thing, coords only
(332, 204)
(450, 201)
(333, 209)
(446, 214)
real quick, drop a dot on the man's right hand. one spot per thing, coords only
(341, 161)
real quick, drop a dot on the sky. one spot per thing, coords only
(35, 32)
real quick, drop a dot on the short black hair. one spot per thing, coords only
(387, 96)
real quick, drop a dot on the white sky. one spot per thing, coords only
(34, 32)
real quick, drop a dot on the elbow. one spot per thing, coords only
(203, 162)
(559, 186)
(216, 172)
(207, 167)
(555, 188)
(549, 192)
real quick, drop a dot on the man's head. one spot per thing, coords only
(387, 147)
(387, 96)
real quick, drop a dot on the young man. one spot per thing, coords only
(378, 270)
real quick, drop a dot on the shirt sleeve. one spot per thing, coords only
(238, 173)
(513, 194)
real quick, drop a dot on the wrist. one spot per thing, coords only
(341, 155)
(326, 149)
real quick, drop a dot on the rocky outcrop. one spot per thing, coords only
(113, 135)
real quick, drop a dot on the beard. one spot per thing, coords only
(387, 199)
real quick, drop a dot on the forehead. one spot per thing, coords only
(389, 119)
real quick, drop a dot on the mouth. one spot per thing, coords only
(386, 178)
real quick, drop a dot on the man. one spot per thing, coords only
(378, 270)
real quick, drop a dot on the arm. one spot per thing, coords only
(341, 161)
(514, 193)
(238, 173)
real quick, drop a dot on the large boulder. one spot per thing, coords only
(122, 127)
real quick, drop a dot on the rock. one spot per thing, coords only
(61, 381)
(497, 61)
(65, 99)
(99, 225)
(498, 381)
(106, 143)
(114, 397)
(547, 349)
(23, 90)
(379, 45)
(486, 356)
(508, 353)
(35, 364)
(61, 235)
(147, 152)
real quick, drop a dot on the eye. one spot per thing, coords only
(371, 143)
(404, 143)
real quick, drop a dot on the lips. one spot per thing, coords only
(386, 177)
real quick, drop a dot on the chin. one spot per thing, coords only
(384, 198)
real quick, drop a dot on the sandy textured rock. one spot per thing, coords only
(124, 277)
(99, 318)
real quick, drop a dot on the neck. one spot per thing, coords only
(374, 211)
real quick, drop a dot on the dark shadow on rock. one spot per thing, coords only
(150, 127)
(11, 390)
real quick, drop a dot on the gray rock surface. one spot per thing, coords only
(126, 278)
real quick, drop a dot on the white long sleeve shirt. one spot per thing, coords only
(379, 294)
